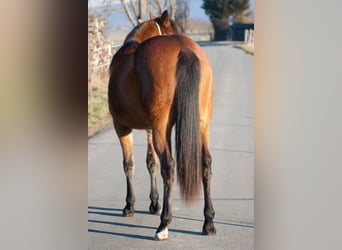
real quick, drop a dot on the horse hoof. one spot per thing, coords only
(209, 230)
(128, 212)
(162, 235)
(155, 209)
(209, 233)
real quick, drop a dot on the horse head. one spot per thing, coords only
(156, 26)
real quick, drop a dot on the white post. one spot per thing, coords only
(109, 50)
(246, 35)
(250, 37)
(252, 40)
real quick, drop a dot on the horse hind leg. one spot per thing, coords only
(126, 141)
(152, 166)
(162, 144)
(209, 212)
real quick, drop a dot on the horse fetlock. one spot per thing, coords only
(209, 228)
(209, 214)
(129, 173)
(128, 161)
(206, 174)
(150, 161)
(154, 197)
(207, 160)
(165, 220)
(152, 167)
(167, 173)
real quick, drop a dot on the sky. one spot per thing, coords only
(196, 4)
(196, 12)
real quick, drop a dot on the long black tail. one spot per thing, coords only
(188, 144)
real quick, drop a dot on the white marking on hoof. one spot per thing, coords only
(162, 235)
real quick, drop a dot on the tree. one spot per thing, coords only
(182, 14)
(136, 10)
(219, 12)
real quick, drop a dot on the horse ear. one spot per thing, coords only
(152, 16)
(165, 17)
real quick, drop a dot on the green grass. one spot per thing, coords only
(98, 113)
(245, 48)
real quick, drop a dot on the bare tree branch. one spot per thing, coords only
(155, 6)
(134, 7)
(128, 12)
(159, 6)
(142, 9)
(165, 4)
(173, 9)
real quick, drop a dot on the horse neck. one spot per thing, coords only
(136, 37)
(140, 35)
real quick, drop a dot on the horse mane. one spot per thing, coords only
(129, 45)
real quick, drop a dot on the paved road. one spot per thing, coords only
(232, 148)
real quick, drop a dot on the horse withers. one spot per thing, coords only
(160, 78)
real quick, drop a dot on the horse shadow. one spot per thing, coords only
(115, 212)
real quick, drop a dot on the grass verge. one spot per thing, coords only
(98, 113)
(245, 48)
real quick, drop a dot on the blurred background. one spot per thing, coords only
(43, 160)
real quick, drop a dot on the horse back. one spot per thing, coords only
(156, 65)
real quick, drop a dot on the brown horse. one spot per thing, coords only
(160, 78)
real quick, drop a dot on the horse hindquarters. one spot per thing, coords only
(169, 71)
(184, 111)
(195, 119)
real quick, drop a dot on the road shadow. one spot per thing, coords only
(135, 236)
(120, 224)
(216, 222)
(116, 212)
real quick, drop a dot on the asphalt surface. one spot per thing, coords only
(232, 149)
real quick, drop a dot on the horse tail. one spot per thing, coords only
(186, 107)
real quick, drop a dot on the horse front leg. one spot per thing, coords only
(126, 141)
(152, 166)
